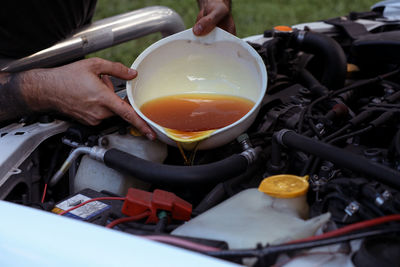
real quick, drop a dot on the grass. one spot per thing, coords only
(251, 17)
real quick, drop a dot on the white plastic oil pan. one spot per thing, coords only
(218, 63)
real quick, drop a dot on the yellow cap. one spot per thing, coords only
(284, 186)
(135, 132)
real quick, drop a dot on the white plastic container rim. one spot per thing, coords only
(228, 50)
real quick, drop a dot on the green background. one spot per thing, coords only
(251, 17)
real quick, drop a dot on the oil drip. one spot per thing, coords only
(188, 160)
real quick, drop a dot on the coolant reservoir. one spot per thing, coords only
(95, 175)
(253, 217)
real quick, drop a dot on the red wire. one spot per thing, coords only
(44, 192)
(188, 244)
(128, 219)
(350, 228)
(353, 227)
(91, 200)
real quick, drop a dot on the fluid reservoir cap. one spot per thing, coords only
(284, 186)
(283, 28)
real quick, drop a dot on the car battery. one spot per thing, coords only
(96, 212)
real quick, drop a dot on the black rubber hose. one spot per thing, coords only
(312, 83)
(177, 175)
(270, 250)
(339, 157)
(329, 51)
(214, 197)
(397, 142)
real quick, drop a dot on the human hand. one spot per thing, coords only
(84, 91)
(214, 13)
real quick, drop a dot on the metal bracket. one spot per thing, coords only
(19, 141)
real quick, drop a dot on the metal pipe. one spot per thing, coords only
(95, 152)
(102, 34)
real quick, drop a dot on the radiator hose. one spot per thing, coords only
(340, 157)
(329, 51)
(177, 175)
(157, 173)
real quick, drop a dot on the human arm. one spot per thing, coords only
(12, 104)
(81, 89)
(214, 13)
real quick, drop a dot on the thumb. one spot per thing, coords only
(207, 23)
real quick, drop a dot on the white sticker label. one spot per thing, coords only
(86, 211)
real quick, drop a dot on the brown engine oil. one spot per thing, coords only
(192, 113)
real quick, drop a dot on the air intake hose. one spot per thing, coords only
(329, 51)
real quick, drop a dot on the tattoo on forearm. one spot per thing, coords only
(12, 104)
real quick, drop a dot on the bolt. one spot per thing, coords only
(379, 200)
(376, 100)
(352, 208)
(244, 141)
(104, 142)
(386, 195)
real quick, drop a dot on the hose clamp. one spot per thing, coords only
(279, 136)
(352, 208)
(251, 154)
(300, 36)
(97, 153)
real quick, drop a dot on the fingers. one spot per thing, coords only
(228, 25)
(207, 23)
(101, 66)
(107, 81)
(125, 111)
(200, 15)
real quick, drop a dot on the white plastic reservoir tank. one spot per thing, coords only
(253, 217)
(95, 175)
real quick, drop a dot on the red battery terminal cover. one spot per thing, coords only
(139, 201)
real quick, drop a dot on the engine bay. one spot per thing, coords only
(330, 116)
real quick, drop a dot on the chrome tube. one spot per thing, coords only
(102, 34)
(94, 152)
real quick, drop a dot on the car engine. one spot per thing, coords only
(330, 116)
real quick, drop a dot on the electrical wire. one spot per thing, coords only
(350, 87)
(91, 200)
(44, 192)
(334, 140)
(128, 219)
(361, 131)
(53, 162)
(397, 142)
(337, 133)
(301, 121)
(181, 243)
(350, 228)
(332, 237)
(329, 238)
(274, 250)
